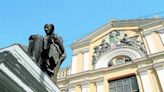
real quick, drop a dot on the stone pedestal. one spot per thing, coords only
(19, 73)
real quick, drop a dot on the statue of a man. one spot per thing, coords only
(53, 53)
(47, 51)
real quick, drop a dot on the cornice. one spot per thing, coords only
(97, 80)
(96, 32)
(80, 51)
(77, 45)
(155, 55)
(157, 30)
(143, 69)
(151, 24)
(90, 72)
(102, 70)
(159, 65)
(85, 50)
(85, 82)
(134, 62)
(141, 23)
(71, 86)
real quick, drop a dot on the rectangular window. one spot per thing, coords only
(128, 84)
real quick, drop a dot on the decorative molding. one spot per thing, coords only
(116, 43)
(145, 33)
(71, 86)
(143, 69)
(80, 51)
(152, 23)
(85, 50)
(159, 65)
(99, 80)
(157, 30)
(84, 84)
(122, 76)
(77, 45)
(74, 53)
(117, 24)
(89, 72)
(127, 51)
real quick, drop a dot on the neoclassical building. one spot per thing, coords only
(120, 56)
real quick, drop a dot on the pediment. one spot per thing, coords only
(121, 25)
(103, 33)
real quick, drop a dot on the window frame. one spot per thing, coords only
(132, 81)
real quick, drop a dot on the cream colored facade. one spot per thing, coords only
(120, 56)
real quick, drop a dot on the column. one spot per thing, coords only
(74, 64)
(100, 85)
(145, 80)
(139, 82)
(84, 86)
(92, 87)
(85, 60)
(160, 72)
(71, 88)
(78, 88)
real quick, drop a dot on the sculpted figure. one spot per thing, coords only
(114, 38)
(49, 51)
(35, 47)
(104, 45)
(95, 55)
(53, 51)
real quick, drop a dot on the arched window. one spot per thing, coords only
(119, 60)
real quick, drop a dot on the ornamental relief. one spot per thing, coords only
(117, 39)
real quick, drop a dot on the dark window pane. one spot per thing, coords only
(119, 83)
(135, 86)
(112, 84)
(133, 80)
(112, 90)
(119, 89)
(127, 88)
(128, 84)
(126, 81)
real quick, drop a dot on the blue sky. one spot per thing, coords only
(73, 18)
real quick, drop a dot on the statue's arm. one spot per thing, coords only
(62, 58)
(59, 43)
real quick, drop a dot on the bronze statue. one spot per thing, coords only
(48, 51)
(35, 47)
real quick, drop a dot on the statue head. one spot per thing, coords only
(114, 33)
(49, 28)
